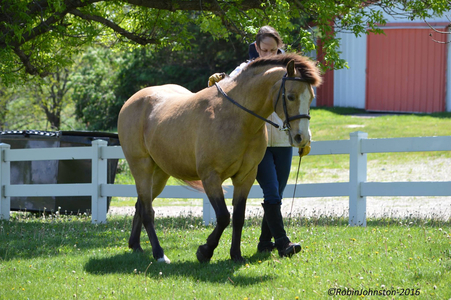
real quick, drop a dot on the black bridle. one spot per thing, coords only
(286, 123)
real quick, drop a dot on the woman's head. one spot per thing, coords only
(268, 41)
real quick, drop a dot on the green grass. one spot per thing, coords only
(336, 124)
(67, 257)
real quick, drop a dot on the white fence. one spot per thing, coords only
(357, 189)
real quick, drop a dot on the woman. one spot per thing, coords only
(274, 169)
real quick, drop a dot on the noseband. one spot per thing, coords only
(286, 123)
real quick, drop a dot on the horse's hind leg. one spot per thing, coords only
(135, 236)
(214, 191)
(150, 181)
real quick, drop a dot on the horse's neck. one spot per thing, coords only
(256, 91)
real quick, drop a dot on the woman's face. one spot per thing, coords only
(267, 47)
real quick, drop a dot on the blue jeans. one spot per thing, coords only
(273, 173)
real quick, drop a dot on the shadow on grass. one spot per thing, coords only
(218, 271)
(27, 238)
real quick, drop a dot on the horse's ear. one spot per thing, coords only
(290, 68)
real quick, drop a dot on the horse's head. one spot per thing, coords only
(292, 104)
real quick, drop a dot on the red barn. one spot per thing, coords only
(403, 70)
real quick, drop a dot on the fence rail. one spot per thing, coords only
(357, 189)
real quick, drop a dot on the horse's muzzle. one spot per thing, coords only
(297, 138)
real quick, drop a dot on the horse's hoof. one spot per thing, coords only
(164, 259)
(136, 248)
(201, 257)
(238, 259)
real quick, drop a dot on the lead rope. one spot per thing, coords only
(295, 185)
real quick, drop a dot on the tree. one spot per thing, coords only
(38, 102)
(94, 81)
(6, 97)
(37, 36)
(104, 80)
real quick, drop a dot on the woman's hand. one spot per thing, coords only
(216, 77)
(306, 150)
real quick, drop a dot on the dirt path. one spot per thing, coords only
(396, 207)
(401, 207)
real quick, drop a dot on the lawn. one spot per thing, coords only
(67, 257)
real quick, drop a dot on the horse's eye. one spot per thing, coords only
(290, 97)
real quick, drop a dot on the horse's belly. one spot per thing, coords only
(176, 165)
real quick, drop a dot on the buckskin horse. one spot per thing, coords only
(207, 137)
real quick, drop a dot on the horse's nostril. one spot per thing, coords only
(298, 138)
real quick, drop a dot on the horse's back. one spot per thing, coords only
(135, 113)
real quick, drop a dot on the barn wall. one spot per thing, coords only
(325, 93)
(448, 75)
(349, 84)
(406, 70)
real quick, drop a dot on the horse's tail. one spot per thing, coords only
(197, 185)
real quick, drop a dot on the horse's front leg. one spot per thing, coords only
(239, 208)
(215, 194)
(240, 193)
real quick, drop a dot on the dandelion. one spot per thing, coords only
(410, 258)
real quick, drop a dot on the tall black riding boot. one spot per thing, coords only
(275, 222)
(265, 244)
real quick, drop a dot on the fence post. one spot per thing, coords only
(5, 179)
(208, 211)
(99, 177)
(357, 175)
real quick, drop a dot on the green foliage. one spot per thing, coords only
(94, 81)
(149, 67)
(155, 43)
(36, 37)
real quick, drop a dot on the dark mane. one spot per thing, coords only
(308, 69)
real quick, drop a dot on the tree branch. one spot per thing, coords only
(29, 67)
(131, 36)
(440, 32)
(205, 5)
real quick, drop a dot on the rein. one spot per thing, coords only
(295, 185)
(244, 108)
(286, 123)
